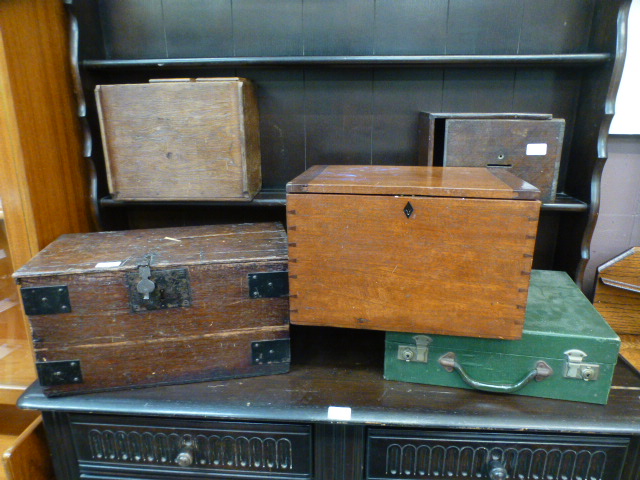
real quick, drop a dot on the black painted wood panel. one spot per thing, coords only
(338, 116)
(486, 27)
(410, 27)
(133, 28)
(338, 27)
(478, 90)
(556, 26)
(267, 28)
(204, 29)
(398, 97)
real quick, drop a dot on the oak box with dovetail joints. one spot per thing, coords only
(414, 249)
(112, 310)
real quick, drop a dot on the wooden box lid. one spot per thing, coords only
(472, 182)
(126, 250)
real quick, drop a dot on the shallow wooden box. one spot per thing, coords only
(413, 249)
(528, 145)
(181, 139)
(617, 298)
(216, 307)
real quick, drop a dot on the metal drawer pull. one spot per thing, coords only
(497, 471)
(185, 457)
(541, 371)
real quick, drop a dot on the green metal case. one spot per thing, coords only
(567, 350)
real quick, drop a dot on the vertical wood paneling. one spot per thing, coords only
(410, 27)
(338, 113)
(398, 97)
(338, 27)
(486, 27)
(198, 28)
(549, 91)
(556, 26)
(267, 28)
(478, 90)
(133, 29)
(282, 123)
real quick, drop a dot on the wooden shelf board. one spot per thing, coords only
(574, 59)
(17, 371)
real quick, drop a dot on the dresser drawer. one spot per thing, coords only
(114, 447)
(404, 454)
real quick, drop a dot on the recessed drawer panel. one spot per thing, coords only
(118, 444)
(404, 454)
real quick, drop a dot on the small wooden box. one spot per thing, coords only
(124, 309)
(617, 298)
(414, 249)
(181, 140)
(528, 145)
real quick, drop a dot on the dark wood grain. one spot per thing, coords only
(118, 347)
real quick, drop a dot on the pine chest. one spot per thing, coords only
(414, 249)
(124, 309)
(567, 350)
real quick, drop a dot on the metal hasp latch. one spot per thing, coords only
(576, 368)
(415, 353)
(158, 289)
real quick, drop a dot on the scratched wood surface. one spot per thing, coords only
(120, 348)
(181, 140)
(455, 266)
(411, 180)
(617, 294)
(505, 143)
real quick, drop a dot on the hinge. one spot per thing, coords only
(271, 351)
(62, 372)
(415, 353)
(576, 368)
(268, 284)
(45, 300)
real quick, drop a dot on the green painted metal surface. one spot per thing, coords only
(559, 319)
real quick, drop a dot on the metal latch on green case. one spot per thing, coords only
(415, 353)
(576, 368)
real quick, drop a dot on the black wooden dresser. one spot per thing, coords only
(343, 82)
(333, 417)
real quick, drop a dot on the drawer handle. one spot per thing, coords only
(497, 471)
(541, 371)
(185, 457)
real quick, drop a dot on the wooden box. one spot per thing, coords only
(617, 298)
(567, 350)
(147, 307)
(528, 145)
(415, 249)
(181, 140)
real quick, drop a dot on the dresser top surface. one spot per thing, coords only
(315, 384)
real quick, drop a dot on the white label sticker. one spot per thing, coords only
(108, 264)
(536, 149)
(339, 413)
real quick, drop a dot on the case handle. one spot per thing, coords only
(541, 371)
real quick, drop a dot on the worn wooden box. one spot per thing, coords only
(528, 145)
(146, 307)
(567, 351)
(416, 249)
(617, 298)
(181, 139)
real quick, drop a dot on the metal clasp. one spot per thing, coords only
(575, 368)
(415, 353)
